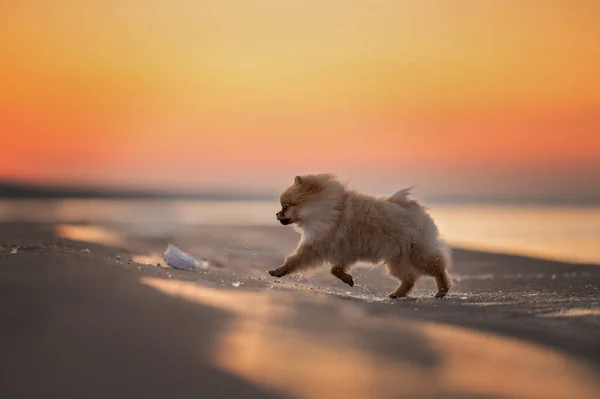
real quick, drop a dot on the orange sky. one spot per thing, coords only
(496, 97)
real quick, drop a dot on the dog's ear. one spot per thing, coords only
(308, 185)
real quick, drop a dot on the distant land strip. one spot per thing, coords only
(18, 190)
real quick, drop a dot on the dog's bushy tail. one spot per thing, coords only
(402, 197)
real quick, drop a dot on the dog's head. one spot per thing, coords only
(306, 198)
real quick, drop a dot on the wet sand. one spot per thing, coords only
(92, 311)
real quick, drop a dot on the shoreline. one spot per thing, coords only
(562, 234)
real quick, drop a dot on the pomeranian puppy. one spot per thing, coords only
(340, 227)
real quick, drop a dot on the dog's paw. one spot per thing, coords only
(440, 294)
(342, 275)
(395, 295)
(346, 278)
(279, 272)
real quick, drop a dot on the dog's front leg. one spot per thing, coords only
(303, 258)
(340, 272)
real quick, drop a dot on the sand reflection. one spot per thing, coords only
(268, 344)
(87, 233)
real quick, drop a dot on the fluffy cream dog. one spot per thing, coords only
(340, 227)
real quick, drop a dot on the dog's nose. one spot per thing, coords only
(278, 214)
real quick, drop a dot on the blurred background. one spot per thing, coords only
(491, 108)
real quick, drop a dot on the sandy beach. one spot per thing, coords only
(129, 127)
(93, 311)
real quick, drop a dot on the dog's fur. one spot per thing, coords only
(340, 227)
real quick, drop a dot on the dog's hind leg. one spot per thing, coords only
(405, 288)
(437, 267)
(442, 277)
(443, 282)
(403, 270)
(339, 271)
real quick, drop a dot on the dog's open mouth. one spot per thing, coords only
(285, 221)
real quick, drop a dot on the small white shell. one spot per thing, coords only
(179, 259)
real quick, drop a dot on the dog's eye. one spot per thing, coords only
(284, 207)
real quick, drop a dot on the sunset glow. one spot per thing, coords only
(490, 97)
